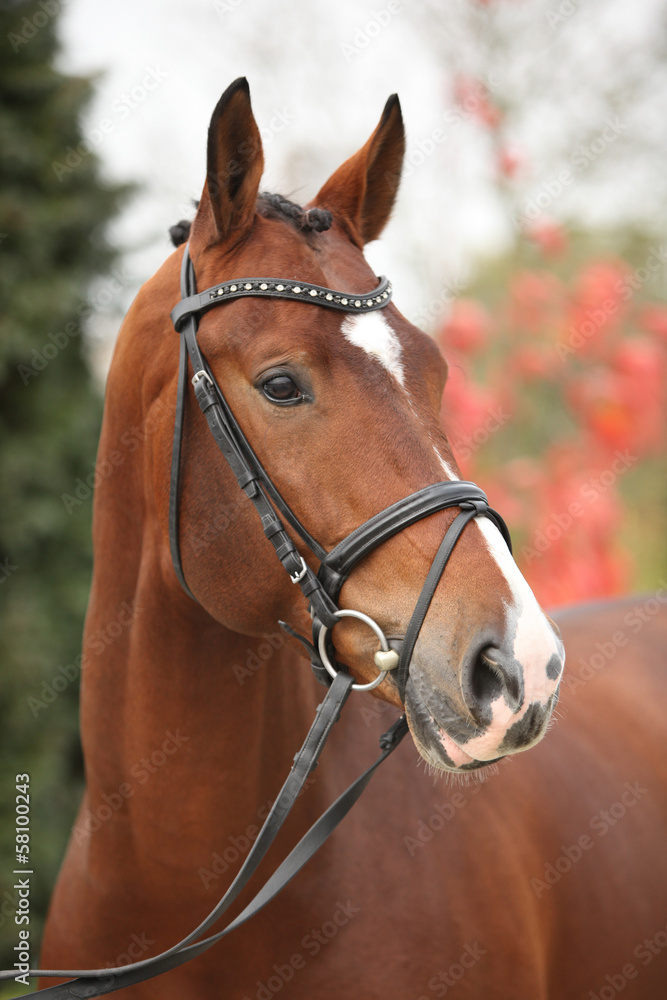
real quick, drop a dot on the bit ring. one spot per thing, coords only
(321, 646)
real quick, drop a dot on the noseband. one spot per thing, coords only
(321, 590)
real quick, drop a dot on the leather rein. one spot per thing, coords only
(320, 589)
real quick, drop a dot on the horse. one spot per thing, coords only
(523, 875)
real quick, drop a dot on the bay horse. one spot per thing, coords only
(543, 875)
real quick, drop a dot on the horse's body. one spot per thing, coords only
(409, 908)
(190, 719)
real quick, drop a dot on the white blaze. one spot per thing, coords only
(371, 332)
(534, 639)
(448, 470)
(534, 644)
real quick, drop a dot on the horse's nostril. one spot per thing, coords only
(491, 674)
(486, 681)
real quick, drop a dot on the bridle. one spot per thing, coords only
(320, 589)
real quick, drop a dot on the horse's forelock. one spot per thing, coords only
(316, 220)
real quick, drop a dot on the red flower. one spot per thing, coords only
(467, 328)
(653, 319)
(549, 236)
(602, 285)
(509, 162)
(535, 301)
(472, 96)
(469, 416)
(530, 362)
(623, 406)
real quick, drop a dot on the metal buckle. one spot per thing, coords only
(296, 577)
(202, 374)
(384, 644)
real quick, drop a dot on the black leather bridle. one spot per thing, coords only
(321, 591)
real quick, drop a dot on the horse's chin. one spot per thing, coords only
(435, 738)
(437, 748)
(434, 743)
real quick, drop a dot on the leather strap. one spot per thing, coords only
(177, 447)
(337, 565)
(97, 982)
(280, 288)
(247, 469)
(247, 477)
(426, 596)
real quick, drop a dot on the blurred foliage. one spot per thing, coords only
(557, 397)
(52, 245)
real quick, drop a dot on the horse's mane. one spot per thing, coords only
(271, 206)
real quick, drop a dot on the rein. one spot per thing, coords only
(321, 590)
(98, 982)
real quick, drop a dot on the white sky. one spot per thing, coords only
(326, 70)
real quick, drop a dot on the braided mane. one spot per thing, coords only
(314, 220)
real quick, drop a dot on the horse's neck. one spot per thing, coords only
(174, 705)
(199, 722)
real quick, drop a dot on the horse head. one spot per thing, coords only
(342, 410)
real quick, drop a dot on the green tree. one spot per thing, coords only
(54, 209)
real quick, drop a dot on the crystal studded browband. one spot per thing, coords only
(279, 288)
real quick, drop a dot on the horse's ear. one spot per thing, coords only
(361, 193)
(234, 165)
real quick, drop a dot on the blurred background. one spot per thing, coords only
(528, 240)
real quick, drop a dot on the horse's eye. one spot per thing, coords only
(281, 389)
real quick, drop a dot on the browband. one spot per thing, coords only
(281, 288)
